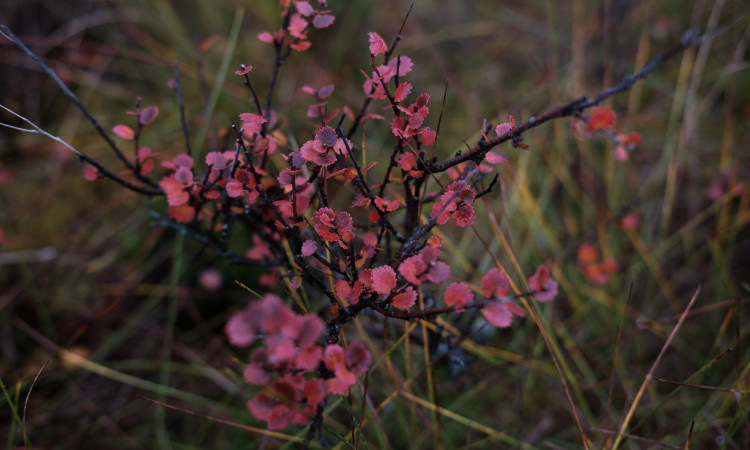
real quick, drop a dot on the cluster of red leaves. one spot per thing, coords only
(291, 348)
(495, 285)
(296, 369)
(298, 16)
(424, 267)
(457, 202)
(597, 272)
(602, 118)
(322, 150)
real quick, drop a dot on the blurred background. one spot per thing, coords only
(83, 273)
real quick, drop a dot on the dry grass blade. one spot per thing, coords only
(261, 431)
(650, 374)
(617, 346)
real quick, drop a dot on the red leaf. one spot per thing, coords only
(208, 42)
(587, 254)
(123, 131)
(358, 358)
(406, 299)
(174, 191)
(243, 70)
(182, 213)
(435, 241)
(300, 46)
(252, 118)
(495, 283)
(315, 391)
(90, 173)
(601, 118)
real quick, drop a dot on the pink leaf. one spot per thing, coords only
(308, 247)
(326, 136)
(243, 70)
(123, 131)
(323, 20)
(265, 37)
(148, 115)
(497, 314)
(383, 280)
(428, 137)
(439, 272)
(402, 91)
(543, 282)
(325, 91)
(495, 158)
(254, 374)
(239, 329)
(252, 118)
(234, 188)
(261, 406)
(458, 295)
(216, 159)
(298, 26)
(406, 161)
(304, 8)
(377, 44)
(495, 283)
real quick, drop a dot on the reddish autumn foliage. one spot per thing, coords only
(543, 284)
(597, 272)
(347, 240)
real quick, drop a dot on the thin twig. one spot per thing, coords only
(51, 73)
(182, 108)
(35, 129)
(689, 39)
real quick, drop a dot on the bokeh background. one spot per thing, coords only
(83, 271)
